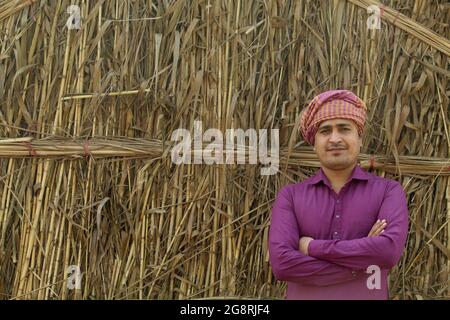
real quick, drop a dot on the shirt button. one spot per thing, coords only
(337, 216)
(354, 274)
(337, 200)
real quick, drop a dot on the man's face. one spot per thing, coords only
(337, 143)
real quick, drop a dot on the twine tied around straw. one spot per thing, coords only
(87, 151)
(382, 13)
(372, 162)
(31, 151)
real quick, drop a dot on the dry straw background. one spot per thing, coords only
(86, 118)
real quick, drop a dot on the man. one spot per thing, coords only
(337, 234)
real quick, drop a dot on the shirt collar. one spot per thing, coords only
(358, 173)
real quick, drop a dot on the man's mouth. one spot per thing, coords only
(336, 149)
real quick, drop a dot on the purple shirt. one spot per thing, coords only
(341, 252)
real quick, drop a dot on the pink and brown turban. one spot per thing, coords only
(331, 105)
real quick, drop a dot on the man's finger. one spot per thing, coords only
(381, 226)
(374, 227)
(377, 228)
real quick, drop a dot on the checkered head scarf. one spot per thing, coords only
(332, 104)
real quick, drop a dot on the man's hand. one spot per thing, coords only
(378, 228)
(303, 244)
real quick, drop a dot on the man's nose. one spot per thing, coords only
(335, 136)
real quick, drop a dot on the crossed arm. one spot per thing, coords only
(328, 262)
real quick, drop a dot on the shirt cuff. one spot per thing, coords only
(315, 248)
